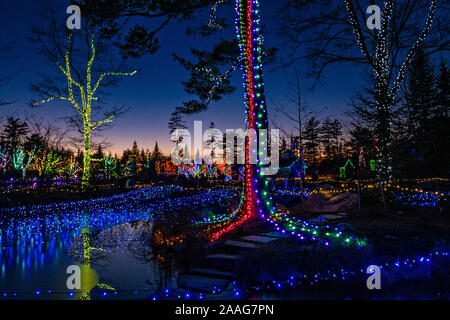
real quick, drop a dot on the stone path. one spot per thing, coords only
(275, 235)
(241, 244)
(259, 239)
(217, 274)
(331, 217)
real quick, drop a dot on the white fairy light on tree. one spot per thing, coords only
(19, 159)
(381, 63)
(217, 80)
(5, 158)
(212, 22)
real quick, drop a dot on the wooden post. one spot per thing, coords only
(382, 196)
(359, 199)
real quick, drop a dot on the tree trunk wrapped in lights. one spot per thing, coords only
(5, 158)
(110, 166)
(48, 162)
(381, 63)
(72, 167)
(256, 199)
(19, 160)
(86, 97)
(327, 35)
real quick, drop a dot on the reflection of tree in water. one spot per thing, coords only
(165, 266)
(172, 246)
(163, 258)
(86, 249)
(89, 278)
(134, 238)
(94, 248)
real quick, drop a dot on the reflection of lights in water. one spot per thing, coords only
(35, 239)
(51, 235)
(24, 225)
(293, 280)
(89, 278)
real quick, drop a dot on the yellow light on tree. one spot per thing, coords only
(86, 96)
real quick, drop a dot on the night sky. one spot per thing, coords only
(156, 90)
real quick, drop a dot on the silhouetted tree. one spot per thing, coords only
(326, 136)
(14, 132)
(311, 140)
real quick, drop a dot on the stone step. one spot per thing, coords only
(275, 235)
(223, 256)
(213, 272)
(202, 283)
(241, 244)
(259, 239)
(342, 214)
(316, 221)
(223, 260)
(331, 217)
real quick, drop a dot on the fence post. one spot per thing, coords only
(359, 199)
(382, 196)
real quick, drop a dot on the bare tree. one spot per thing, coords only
(79, 81)
(299, 117)
(327, 33)
(50, 133)
(87, 97)
(301, 114)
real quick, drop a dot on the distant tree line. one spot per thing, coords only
(32, 148)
